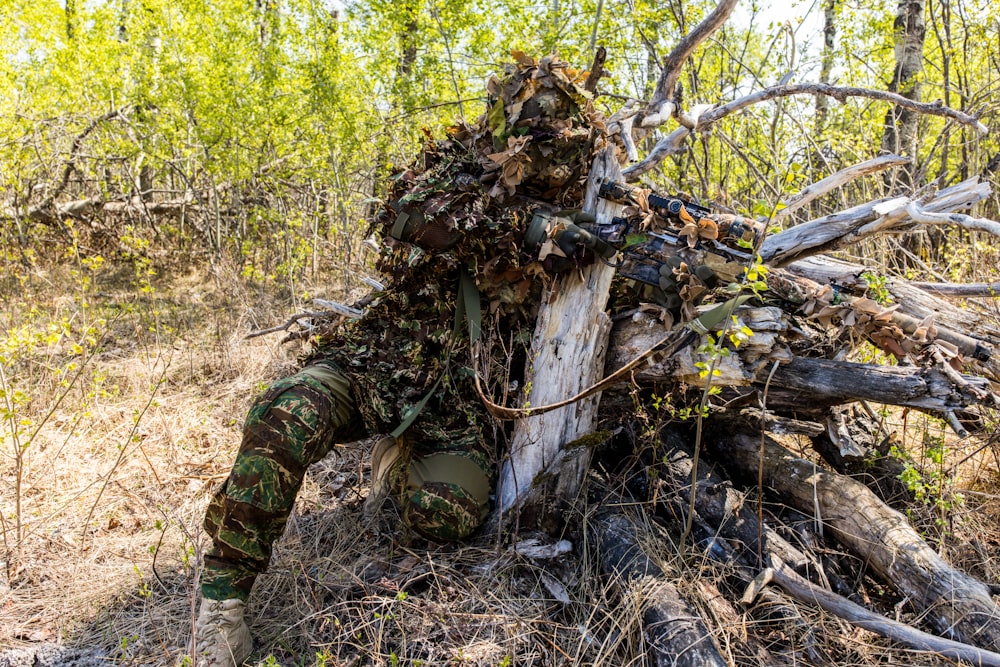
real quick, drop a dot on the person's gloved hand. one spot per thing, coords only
(570, 232)
(575, 235)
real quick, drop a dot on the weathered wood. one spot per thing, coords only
(850, 226)
(723, 507)
(837, 180)
(960, 290)
(953, 603)
(726, 547)
(820, 383)
(876, 468)
(910, 298)
(674, 632)
(918, 214)
(799, 384)
(806, 592)
(725, 615)
(568, 351)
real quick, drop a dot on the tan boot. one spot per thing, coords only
(222, 638)
(385, 453)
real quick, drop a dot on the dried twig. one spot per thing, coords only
(806, 592)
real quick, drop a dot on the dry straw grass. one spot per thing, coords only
(115, 483)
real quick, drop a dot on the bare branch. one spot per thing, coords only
(841, 93)
(837, 180)
(675, 61)
(915, 211)
(850, 226)
(292, 320)
(960, 290)
(73, 149)
(672, 143)
(805, 591)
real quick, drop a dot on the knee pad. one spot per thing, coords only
(447, 497)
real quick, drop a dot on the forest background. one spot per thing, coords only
(175, 174)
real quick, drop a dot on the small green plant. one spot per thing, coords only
(711, 352)
(930, 483)
(877, 288)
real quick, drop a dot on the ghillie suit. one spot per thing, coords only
(456, 217)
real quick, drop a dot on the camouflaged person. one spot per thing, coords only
(452, 235)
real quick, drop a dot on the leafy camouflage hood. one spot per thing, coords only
(540, 132)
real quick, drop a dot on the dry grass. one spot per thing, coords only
(115, 482)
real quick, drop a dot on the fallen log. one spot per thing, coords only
(816, 384)
(953, 603)
(911, 297)
(847, 227)
(727, 530)
(674, 632)
(960, 290)
(801, 385)
(722, 506)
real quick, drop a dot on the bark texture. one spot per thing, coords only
(569, 346)
(674, 632)
(900, 133)
(954, 604)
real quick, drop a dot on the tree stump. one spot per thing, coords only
(568, 350)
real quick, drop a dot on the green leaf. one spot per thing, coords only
(497, 120)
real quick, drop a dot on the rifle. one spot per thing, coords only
(677, 227)
(675, 232)
(655, 259)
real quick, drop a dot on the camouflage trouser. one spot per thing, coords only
(293, 424)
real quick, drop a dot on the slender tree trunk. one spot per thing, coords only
(407, 52)
(70, 20)
(900, 132)
(942, 30)
(123, 22)
(826, 62)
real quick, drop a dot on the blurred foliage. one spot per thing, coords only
(269, 125)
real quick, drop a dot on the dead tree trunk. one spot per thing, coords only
(675, 634)
(570, 341)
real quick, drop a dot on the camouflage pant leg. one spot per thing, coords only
(446, 494)
(292, 425)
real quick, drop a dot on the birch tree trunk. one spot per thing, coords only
(826, 61)
(900, 134)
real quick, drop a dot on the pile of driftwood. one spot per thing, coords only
(797, 373)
